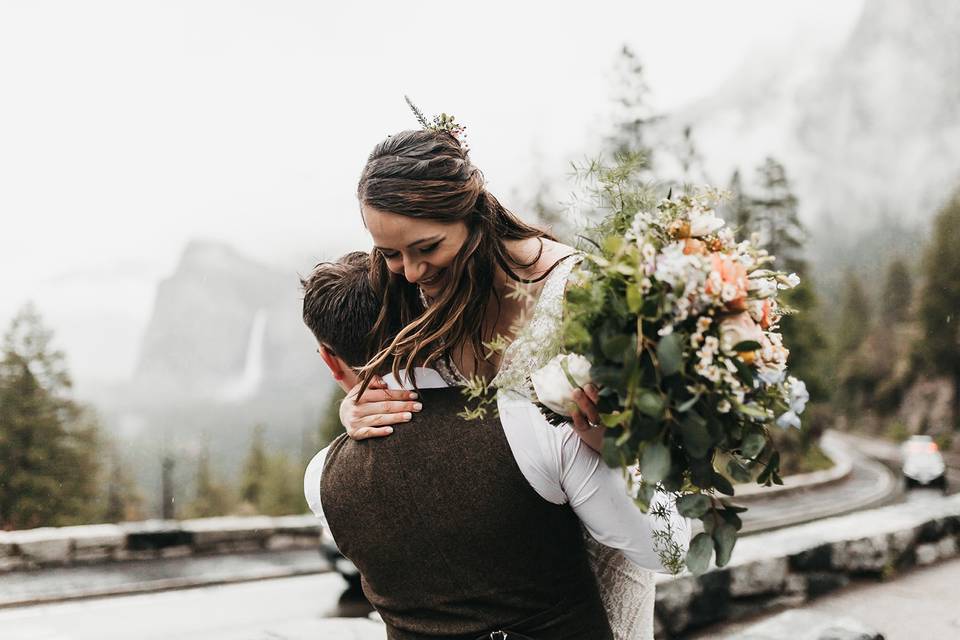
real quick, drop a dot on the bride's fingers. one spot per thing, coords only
(369, 432)
(587, 406)
(592, 392)
(381, 395)
(579, 422)
(394, 406)
(369, 424)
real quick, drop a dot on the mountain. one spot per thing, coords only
(868, 128)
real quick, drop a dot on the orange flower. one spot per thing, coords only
(692, 245)
(727, 279)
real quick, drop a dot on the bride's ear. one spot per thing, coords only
(333, 362)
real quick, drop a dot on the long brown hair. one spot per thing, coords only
(427, 174)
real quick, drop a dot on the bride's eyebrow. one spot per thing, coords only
(415, 242)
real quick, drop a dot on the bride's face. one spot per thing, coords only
(419, 250)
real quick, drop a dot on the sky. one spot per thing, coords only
(129, 128)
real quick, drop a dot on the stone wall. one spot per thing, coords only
(788, 567)
(61, 546)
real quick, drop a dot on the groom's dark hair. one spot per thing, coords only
(340, 306)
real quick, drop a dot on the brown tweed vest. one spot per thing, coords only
(451, 540)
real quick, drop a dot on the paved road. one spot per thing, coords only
(282, 609)
(871, 484)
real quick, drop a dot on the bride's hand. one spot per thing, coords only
(588, 415)
(370, 415)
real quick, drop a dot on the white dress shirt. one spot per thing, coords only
(561, 469)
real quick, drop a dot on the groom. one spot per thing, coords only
(463, 529)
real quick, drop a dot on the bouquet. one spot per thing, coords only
(677, 322)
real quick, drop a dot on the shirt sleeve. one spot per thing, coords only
(311, 485)
(561, 468)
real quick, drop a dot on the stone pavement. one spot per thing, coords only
(121, 578)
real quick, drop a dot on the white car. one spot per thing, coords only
(922, 463)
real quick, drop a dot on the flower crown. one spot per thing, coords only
(442, 122)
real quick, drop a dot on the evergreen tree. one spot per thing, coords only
(804, 335)
(854, 318)
(774, 216)
(897, 293)
(254, 470)
(211, 497)
(123, 500)
(633, 113)
(940, 297)
(283, 487)
(738, 211)
(48, 442)
(330, 426)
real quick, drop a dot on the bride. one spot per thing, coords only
(463, 273)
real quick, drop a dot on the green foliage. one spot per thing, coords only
(939, 348)
(855, 317)
(254, 469)
(634, 113)
(211, 498)
(48, 442)
(774, 216)
(283, 487)
(897, 293)
(123, 500)
(330, 425)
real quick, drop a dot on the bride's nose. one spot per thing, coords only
(413, 271)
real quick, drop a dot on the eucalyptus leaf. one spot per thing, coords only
(649, 403)
(722, 484)
(670, 354)
(746, 345)
(724, 537)
(686, 405)
(753, 444)
(693, 505)
(655, 463)
(696, 438)
(634, 298)
(737, 471)
(611, 453)
(700, 553)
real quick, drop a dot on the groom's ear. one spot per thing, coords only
(333, 363)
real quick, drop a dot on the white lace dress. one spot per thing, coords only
(627, 590)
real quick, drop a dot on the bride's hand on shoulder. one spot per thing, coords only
(587, 415)
(371, 414)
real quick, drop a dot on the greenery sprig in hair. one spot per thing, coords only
(442, 122)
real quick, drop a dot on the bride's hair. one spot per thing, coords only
(427, 174)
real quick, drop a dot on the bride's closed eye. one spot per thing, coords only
(429, 249)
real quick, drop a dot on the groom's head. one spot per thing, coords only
(340, 307)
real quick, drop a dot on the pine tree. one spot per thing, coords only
(211, 497)
(48, 442)
(804, 335)
(897, 293)
(254, 470)
(738, 211)
(633, 114)
(939, 311)
(330, 425)
(775, 217)
(854, 318)
(283, 487)
(123, 500)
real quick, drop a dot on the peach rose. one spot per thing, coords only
(692, 245)
(728, 279)
(739, 328)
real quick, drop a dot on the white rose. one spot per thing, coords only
(705, 223)
(553, 384)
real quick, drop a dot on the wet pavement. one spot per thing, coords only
(52, 585)
(283, 609)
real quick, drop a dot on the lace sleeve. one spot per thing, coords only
(540, 338)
